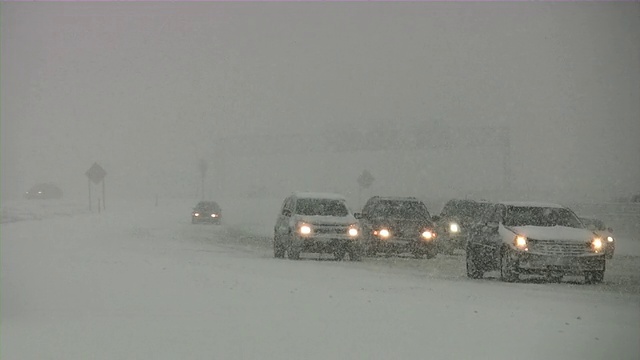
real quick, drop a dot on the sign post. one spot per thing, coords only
(96, 175)
(365, 180)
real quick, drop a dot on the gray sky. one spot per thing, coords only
(146, 89)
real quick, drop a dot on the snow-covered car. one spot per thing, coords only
(44, 191)
(206, 212)
(456, 217)
(316, 223)
(534, 238)
(605, 233)
(395, 225)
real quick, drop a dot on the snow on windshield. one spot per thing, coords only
(321, 207)
(541, 216)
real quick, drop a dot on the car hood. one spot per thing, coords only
(328, 220)
(463, 221)
(562, 233)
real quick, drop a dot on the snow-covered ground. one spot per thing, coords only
(140, 281)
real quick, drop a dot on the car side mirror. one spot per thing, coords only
(491, 226)
(357, 215)
(435, 217)
(286, 213)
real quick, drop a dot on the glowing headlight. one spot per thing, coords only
(353, 231)
(520, 242)
(214, 215)
(428, 235)
(196, 214)
(609, 239)
(454, 228)
(597, 244)
(305, 229)
(384, 233)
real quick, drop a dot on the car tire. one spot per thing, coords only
(473, 271)
(339, 254)
(508, 267)
(293, 254)
(594, 277)
(354, 255)
(278, 249)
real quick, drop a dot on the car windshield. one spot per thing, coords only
(466, 209)
(400, 210)
(321, 207)
(541, 216)
(207, 206)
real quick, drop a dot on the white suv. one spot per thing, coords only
(534, 238)
(316, 223)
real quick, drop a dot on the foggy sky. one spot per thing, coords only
(147, 89)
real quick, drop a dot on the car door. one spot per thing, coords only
(281, 229)
(482, 239)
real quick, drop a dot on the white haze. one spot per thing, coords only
(439, 89)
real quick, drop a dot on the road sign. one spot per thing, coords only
(96, 173)
(365, 179)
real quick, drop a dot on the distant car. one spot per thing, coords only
(604, 232)
(44, 191)
(534, 238)
(395, 225)
(316, 223)
(455, 218)
(206, 212)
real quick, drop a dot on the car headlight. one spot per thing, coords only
(609, 239)
(428, 235)
(304, 229)
(454, 228)
(353, 231)
(196, 214)
(521, 242)
(214, 215)
(383, 233)
(596, 244)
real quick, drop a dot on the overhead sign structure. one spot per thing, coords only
(96, 175)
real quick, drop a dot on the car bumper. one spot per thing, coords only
(205, 219)
(534, 263)
(457, 241)
(402, 245)
(319, 244)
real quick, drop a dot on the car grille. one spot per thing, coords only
(559, 248)
(330, 229)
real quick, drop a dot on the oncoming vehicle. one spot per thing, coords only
(206, 212)
(316, 223)
(44, 191)
(534, 238)
(605, 233)
(394, 225)
(453, 222)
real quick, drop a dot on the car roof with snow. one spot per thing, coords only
(531, 204)
(318, 195)
(396, 198)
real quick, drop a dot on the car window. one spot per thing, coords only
(488, 214)
(321, 207)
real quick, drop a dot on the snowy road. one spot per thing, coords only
(142, 282)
